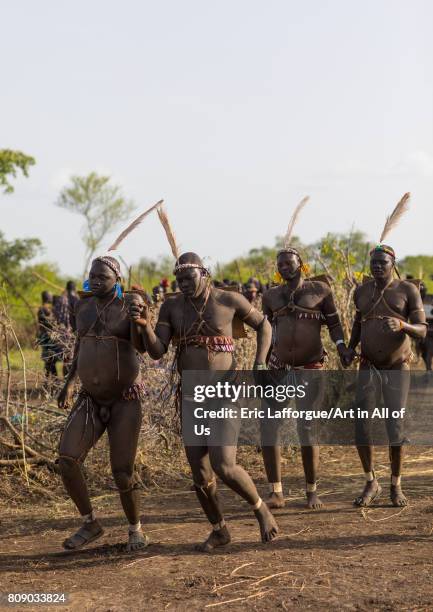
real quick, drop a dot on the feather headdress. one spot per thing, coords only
(293, 220)
(394, 218)
(163, 217)
(131, 227)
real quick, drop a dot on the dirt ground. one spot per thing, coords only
(339, 558)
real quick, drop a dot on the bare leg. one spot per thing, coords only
(272, 463)
(310, 462)
(82, 431)
(395, 396)
(307, 433)
(271, 452)
(396, 454)
(206, 490)
(223, 462)
(366, 400)
(366, 454)
(123, 431)
(372, 488)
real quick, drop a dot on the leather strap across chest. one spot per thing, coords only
(381, 300)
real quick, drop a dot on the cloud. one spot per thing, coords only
(416, 163)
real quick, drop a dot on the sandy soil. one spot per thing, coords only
(339, 558)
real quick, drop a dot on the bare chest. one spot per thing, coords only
(209, 320)
(305, 298)
(391, 302)
(95, 320)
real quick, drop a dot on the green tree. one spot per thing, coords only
(418, 266)
(149, 272)
(258, 262)
(102, 205)
(13, 254)
(10, 162)
(342, 254)
(16, 252)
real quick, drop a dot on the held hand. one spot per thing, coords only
(64, 399)
(392, 325)
(138, 313)
(347, 355)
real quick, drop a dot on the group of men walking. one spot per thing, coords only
(198, 320)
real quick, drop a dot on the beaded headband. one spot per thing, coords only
(186, 266)
(383, 248)
(291, 250)
(115, 267)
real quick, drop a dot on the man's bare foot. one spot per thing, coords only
(88, 532)
(276, 500)
(371, 491)
(313, 501)
(267, 523)
(398, 498)
(218, 538)
(137, 540)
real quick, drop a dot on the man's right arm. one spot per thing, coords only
(65, 396)
(267, 310)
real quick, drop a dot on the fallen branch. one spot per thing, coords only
(27, 449)
(265, 578)
(23, 462)
(241, 566)
(140, 560)
(365, 516)
(227, 601)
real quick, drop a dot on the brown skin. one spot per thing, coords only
(104, 375)
(297, 343)
(386, 344)
(176, 316)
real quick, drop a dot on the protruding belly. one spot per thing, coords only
(298, 341)
(381, 347)
(106, 367)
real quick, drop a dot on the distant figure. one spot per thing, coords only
(64, 307)
(157, 294)
(425, 346)
(44, 338)
(255, 281)
(64, 310)
(250, 292)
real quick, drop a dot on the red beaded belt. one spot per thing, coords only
(216, 344)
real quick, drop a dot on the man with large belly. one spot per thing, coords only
(389, 312)
(297, 309)
(107, 365)
(199, 320)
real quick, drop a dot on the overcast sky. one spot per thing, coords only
(231, 111)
